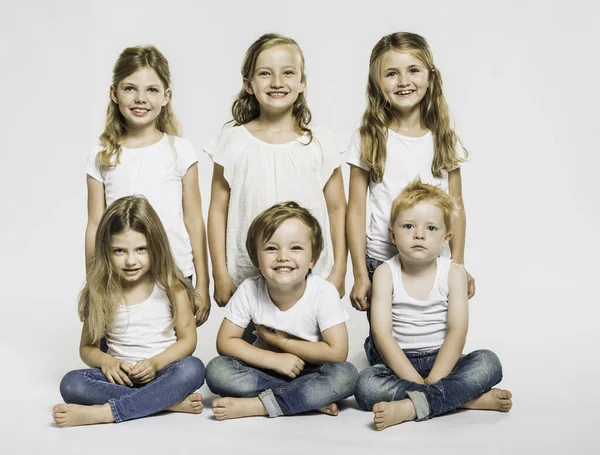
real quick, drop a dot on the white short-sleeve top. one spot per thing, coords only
(317, 310)
(261, 174)
(407, 158)
(156, 172)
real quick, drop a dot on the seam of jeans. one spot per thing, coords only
(113, 407)
(420, 403)
(267, 397)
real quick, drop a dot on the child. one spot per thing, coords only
(141, 152)
(419, 317)
(272, 154)
(136, 295)
(298, 362)
(405, 133)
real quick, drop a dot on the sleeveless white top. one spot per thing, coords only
(142, 331)
(420, 325)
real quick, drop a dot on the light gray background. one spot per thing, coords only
(521, 81)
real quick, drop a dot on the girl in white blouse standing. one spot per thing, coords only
(272, 154)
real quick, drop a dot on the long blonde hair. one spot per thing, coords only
(133, 59)
(435, 115)
(246, 108)
(103, 291)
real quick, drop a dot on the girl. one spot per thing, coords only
(141, 152)
(270, 155)
(298, 362)
(420, 316)
(405, 133)
(136, 295)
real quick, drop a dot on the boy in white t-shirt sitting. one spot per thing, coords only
(297, 363)
(419, 319)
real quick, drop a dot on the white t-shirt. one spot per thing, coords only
(420, 325)
(261, 174)
(155, 172)
(316, 311)
(407, 158)
(142, 331)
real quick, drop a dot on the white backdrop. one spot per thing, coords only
(520, 78)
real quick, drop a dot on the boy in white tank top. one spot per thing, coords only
(419, 318)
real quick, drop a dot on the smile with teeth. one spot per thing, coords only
(283, 269)
(277, 94)
(140, 111)
(404, 92)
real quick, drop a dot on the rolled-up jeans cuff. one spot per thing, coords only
(420, 403)
(270, 403)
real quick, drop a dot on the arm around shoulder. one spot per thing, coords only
(96, 204)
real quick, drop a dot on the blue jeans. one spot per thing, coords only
(315, 387)
(473, 375)
(171, 385)
(373, 355)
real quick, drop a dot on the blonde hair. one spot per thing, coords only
(133, 59)
(416, 192)
(268, 221)
(103, 291)
(246, 107)
(435, 115)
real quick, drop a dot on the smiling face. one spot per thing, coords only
(285, 259)
(277, 79)
(404, 80)
(419, 233)
(130, 257)
(140, 97)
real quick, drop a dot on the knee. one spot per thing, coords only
(364, 387)
(218, 373)
(345, 378)
(489, 364)
(71, 386)
(192, 371)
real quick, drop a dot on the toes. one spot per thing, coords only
(378, 407)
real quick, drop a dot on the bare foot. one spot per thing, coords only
(391, 413)
(71, 415)
(493, 400)
(233, 408)
(330, 409)
(192, 404)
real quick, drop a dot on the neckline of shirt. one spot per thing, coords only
(295, 141)
(409, 138)
(164, 137)
(154, 289)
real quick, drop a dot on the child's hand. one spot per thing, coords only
(203, 310)
(288, 364)
(116, 371)
(274, 337)
(224, 289)
(143, 372)
(339, 281)
(361, 294)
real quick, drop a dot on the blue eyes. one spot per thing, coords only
(412, 226)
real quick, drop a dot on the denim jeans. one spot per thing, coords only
(373, 355)
(315, 387)
(473, 375)
(171, 385)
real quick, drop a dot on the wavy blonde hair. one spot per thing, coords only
(246, 107)
(103, 291)
(435, 115)
(133, 59)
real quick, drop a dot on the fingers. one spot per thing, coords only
(471, 291)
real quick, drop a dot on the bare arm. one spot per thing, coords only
(217, 228)
(185, 328)
(194, 224)
(381, 324)
(333, 348)
(457, 326)
(356, 221)
(96, 205)
(230, 343)
(458, 240)
(336, 209)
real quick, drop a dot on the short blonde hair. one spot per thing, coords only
(268, 221)
(416, 192)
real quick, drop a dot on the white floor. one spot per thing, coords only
(549, 414)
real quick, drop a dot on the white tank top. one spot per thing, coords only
(420, 325)
(142, 331)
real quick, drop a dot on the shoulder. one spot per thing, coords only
(228, 139)
(457, 275)
(319, 287)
